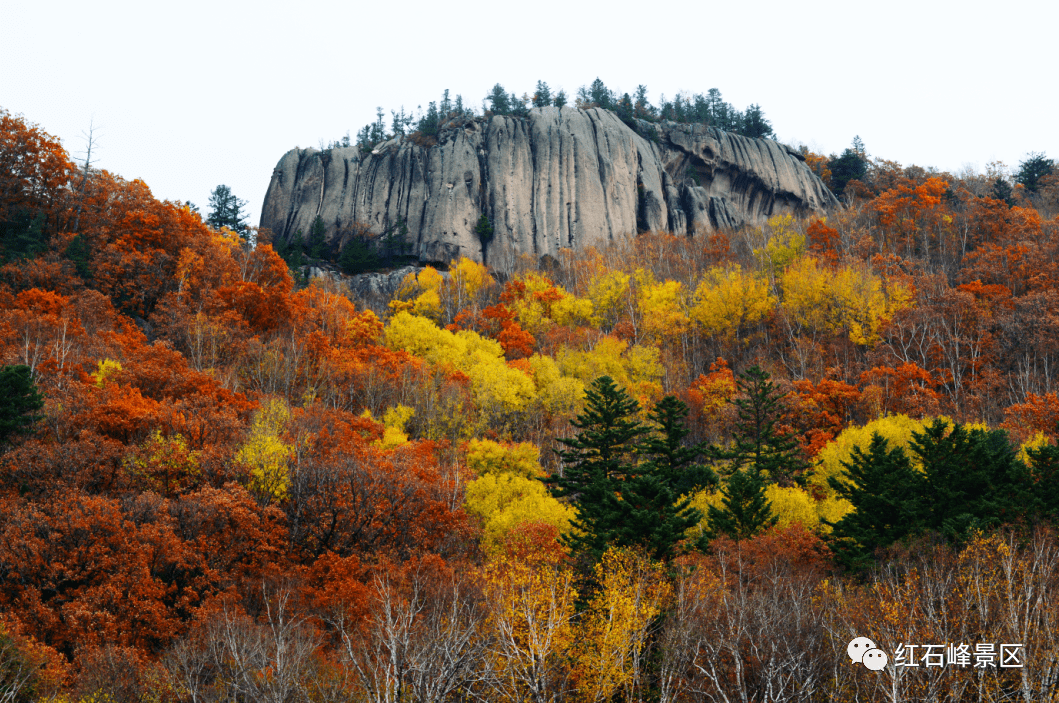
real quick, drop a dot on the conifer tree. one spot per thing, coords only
(599, 94)
(656, 516)
(596, 461)
(849, 166)
(77, 252)
(317, 244)
(226, 210)
(886, 495)
(22, 236)
(758, 443)
(668, 455)
(1035, 167)
(973, 478)
(484, 229)
(358, 256)
(499, 101)
(1002, 191)
(1044, 475)
(19, 401)
(754, 123)
(746, 510)
(542, 96)
(293, 251)
(642, 107)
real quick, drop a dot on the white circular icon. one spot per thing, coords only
(858, 647)
(875, 659)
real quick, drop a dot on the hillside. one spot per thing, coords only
(625, 472)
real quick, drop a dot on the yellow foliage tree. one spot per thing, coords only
(105, 369)
(506, 501)
(469, 278)
(395, 420)
(727, 299)
(530, 623)
(558, 394)
(612, 633)
(1035, 442)
(662, 307)
(534, 306)
(484, 456)
(430, 294)
(265, 453)
(420, 294)
(850, 299)
(609, 292)
(792, 505)
(165, 463)
(569, 310)
(635, 368)
(498, 387)
(777, 245)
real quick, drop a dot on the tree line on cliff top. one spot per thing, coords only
(422, 126)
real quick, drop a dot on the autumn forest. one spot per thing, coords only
(672, 469)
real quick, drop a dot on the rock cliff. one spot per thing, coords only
(557, 178)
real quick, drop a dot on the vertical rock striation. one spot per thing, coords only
(558, 178)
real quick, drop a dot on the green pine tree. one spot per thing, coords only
(656, 516)
(600, 94)
(22, 236)
(19, 401)
(282, 248)
(542, 96)
(754, 124)
(886, 494)
(974, 479)
(226, 210)
(430, 122)
(317, 244)
(1033, 169)
(78, 253)
(358, 256)
(484, 230)
(668, 453)
(1044, 475)
(758, 443)
(1002, 191)
(499, 101)
(851, 165)
(296, 251)
(595, 462)
(746, 510)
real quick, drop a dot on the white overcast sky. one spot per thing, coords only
(188, 95)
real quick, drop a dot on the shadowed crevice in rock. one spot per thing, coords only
(557, 178)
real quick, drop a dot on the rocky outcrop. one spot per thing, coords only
(557, 178)
(374, 290)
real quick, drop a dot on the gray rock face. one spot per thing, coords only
(374, 290)
(564, 178)
(382, 286)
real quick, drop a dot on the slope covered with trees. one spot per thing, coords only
(677, 468)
